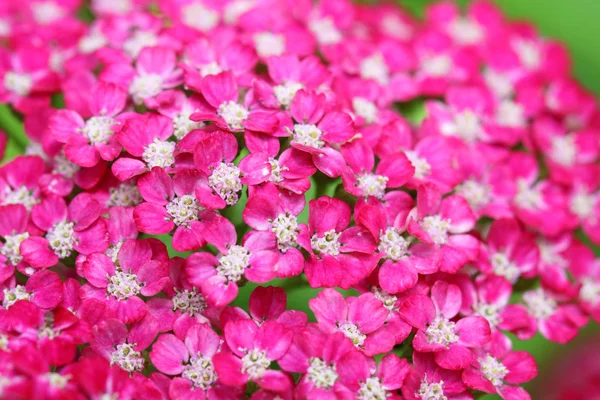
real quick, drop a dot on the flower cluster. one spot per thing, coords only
(185, 155)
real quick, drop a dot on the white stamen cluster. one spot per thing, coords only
(328, 243)
(308, 135)
(57, 380)
(198, 16)
(528, 197)
(499, 83)
(539, 304)
(528, 53)
(11, 296)
(372, 184)
(159, 154)
(489, 312)
(276, 170)
(3, 346)
(590, 291)
(393, 244)
(431, 391)
(91, 42)
(189, 302)
(11, 247)
(234, 115)
(225, 181)
(436, 65)
(123, 285)
(510, 114)
(21, 195)
(466, 31)
(124, 195)
(320, 374)
(476, 193)
(113, 251)
(138, 40)
(61, 238)
(126, 357)
(47, 12)
(269, 44)
(388, 300)
(365, 109)
(352, 332)
(437, 228)
(503, 266)
(183, 210)
(325, 30)
(255, 363)
(182, 125)
(420, 164)
(233, 264)
(211, 68)
(372, 389)
(145, 86)
(62, 166)
(47, 330)
(285, 92)
(466, 126)
(564, 150)
(201, 372)
(285, 228)
(99, 129)
(493, 370)
(374, 67)
(582, 204)
(441, 331)
(18, 83)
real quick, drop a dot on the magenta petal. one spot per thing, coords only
(240, 335)
(397, 277)
(474, 379)
(187, 239)
(274, 338)
(521, 367)
(78, 151)
(229, 369)
(473, 331)
(367, 312)
(218, 291)
(455, 358)
(125, 168)
(169, 354)
(398, 169)
(326, 272)
(129, 310)
(92, 240)
(329, 307)
(418, 311)
(156, 186)
(64, 124)
(83, 210)
(447, 298)
(267, 302)
(96, 268)
(153, 219)
(337, 127)
(513, 393)
(262, 266)
(276, 381)
(291, 263)
(330, 162)
(392, 370)
(154, 276)
(47, 289)
(13, 219)
(36, 251)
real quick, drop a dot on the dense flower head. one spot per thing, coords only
(289, 200)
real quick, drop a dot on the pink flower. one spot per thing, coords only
(586, 271)
(171, 203)
(19, 181)
(78, 227)
(88, 141)
(450, 341)
(584, 205)
(190, 358)
(445, 223)
(139, 270)
(362, 319)
(339, 256)
(96, 377)
(14, 228)
(43, 288)
(219, 276)
(252, 350)
(175, 105)
(433, 161)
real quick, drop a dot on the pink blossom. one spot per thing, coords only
(19, 181)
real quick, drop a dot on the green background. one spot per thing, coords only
(577, 24)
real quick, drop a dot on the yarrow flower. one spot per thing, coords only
(288, 200)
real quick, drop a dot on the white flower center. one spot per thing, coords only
(320, 374)
(225, 181)
(374, 67)
(528, 53)
(528, 197)
(372, 184)
(493, 370)
(5, 29)
(123, 285)
(145, 86)
(21, 195)
(308, 135)
(92, 42)
(11, 247)
(538, 304)
(372, 389)
(138, 41)
(510, 114)
(436, 66)
(201, 372)
(47, 330)
(285, 93)
(18, 83)
(113, 7)
(269, 44)
(441, 331)
(99, 129)
(113, 251)
(394, 26)
(276, 170)
(489, 312)
(182, 125)
(328, 243)
(393, 244)
(503, 266)
(183, 210)
(365, 109)
(420, 164)
(499, 83)
(200, 17)
(325, 30)
(590, 291)
(466, 31)
(549, 255)
(124, 195)
(285, 228)
(234, 114)
(189, 302)
(235, 9)
(64, 167)
(437, 228)
(210, 69)
(233, 264)
(388, 300)
(476, 193)
(57, 380)
(13, 295)
(46, 12)
(431, 391)
(159, 154)
(353, 333)
(466, 125)
(126, 357)
(61, 238)
(582, 204)
(564, 150)
(255, 363)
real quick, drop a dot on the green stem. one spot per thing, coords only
(12, 126)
